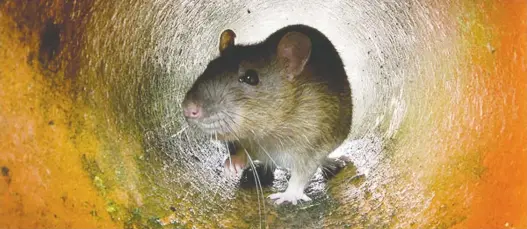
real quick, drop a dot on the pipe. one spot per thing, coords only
(93, 136)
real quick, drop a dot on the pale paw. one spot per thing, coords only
(294, 198)
(234, 166)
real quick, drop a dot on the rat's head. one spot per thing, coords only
(247, 87)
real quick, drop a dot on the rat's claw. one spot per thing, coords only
(305, 198)
(293, 198)
(238, 168)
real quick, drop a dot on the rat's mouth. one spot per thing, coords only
(217, 124)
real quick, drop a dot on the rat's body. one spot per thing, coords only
(285, 101)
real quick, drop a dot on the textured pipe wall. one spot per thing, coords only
(93, 134)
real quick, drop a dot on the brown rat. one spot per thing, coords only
(285, 101)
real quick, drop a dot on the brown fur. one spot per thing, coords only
(298, 113)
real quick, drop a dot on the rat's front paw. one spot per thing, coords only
(235, 165)
(291, 197)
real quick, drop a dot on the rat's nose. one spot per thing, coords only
(192, 110)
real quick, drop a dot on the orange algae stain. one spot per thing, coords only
(42, 183)
(477, 141)
(500, 197)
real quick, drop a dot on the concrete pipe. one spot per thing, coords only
(92, 133)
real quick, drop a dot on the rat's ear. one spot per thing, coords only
(226, 40)
(293, 52)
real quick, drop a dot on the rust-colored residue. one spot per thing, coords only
(500, 197)
(54, 30)
(42, 183)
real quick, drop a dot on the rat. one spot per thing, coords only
(285, 101)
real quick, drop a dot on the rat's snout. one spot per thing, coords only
(192, 110)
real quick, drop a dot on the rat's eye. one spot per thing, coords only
(250, 77)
